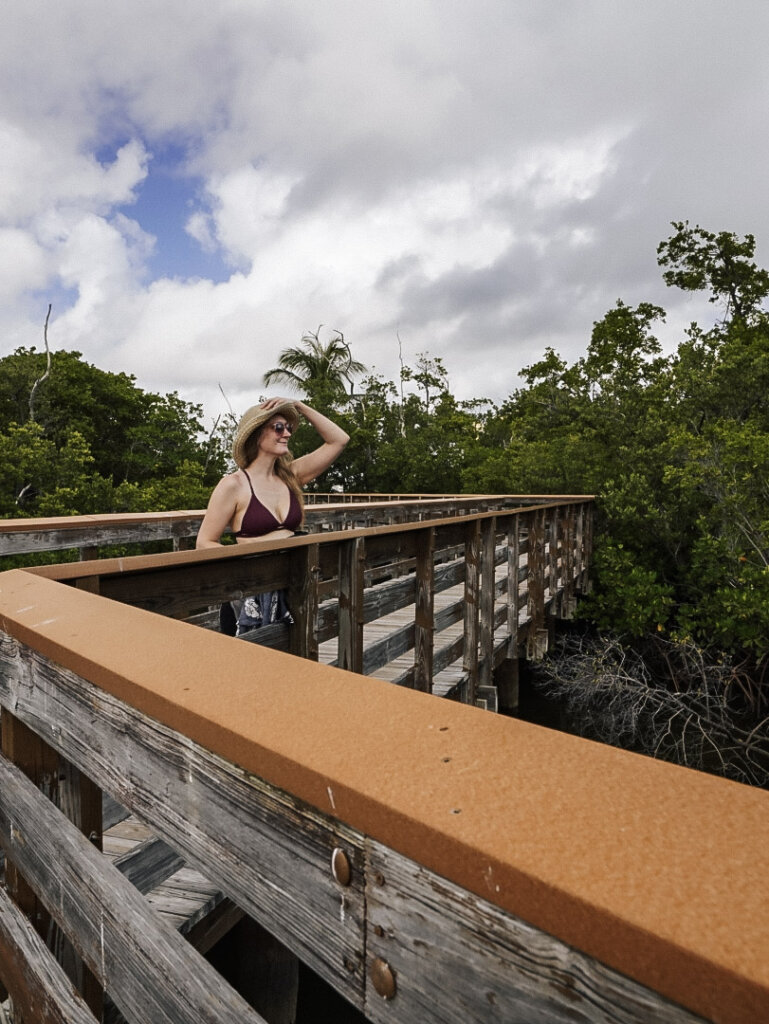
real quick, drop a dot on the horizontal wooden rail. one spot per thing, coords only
(445, 589)
(468, 866)
(89, 533)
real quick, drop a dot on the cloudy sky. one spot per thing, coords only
(195, 184)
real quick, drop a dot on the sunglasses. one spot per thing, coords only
(282, 428)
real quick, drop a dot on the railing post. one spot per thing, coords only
(488, 587)
(424, 618)
(567, 601)
(351, 570)
(552, 560)
(303, 601)
(471, 612)
(513, 568)
(589, 512)
(506, 675)
(537, 637)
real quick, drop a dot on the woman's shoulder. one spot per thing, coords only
(232, 483)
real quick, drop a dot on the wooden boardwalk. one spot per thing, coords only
(449, 681)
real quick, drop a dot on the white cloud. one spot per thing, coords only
(23, 263)
(482, 179)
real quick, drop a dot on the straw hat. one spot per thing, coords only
(254, 418)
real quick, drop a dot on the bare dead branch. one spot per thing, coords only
(40, 380)
(682, 709)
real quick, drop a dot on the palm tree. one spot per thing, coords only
(314, 368)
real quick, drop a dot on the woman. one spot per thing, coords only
(264, 498)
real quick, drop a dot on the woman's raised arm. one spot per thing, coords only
(307, 467)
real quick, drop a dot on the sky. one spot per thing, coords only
(193, 186)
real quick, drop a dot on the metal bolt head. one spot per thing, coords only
(383, 978)
(340, 866)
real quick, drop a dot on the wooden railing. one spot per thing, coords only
(428, 860)
(436, 604)
(88, 534)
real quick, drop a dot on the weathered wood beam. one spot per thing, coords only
(149, 864)
(41, 991)
(388, 648)
(271, 855)
(131, 951)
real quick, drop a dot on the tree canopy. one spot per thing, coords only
(96, 443)
(675, 446)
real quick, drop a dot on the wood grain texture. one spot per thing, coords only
(458, 960)
(149, 864)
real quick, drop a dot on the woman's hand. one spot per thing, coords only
(273, 403)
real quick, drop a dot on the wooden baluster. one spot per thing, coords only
(424, 618)
(351, 572)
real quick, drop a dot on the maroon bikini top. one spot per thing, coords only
(258, 520)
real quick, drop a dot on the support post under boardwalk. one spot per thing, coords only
(424, 618)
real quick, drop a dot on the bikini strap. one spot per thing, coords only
(249, 483)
